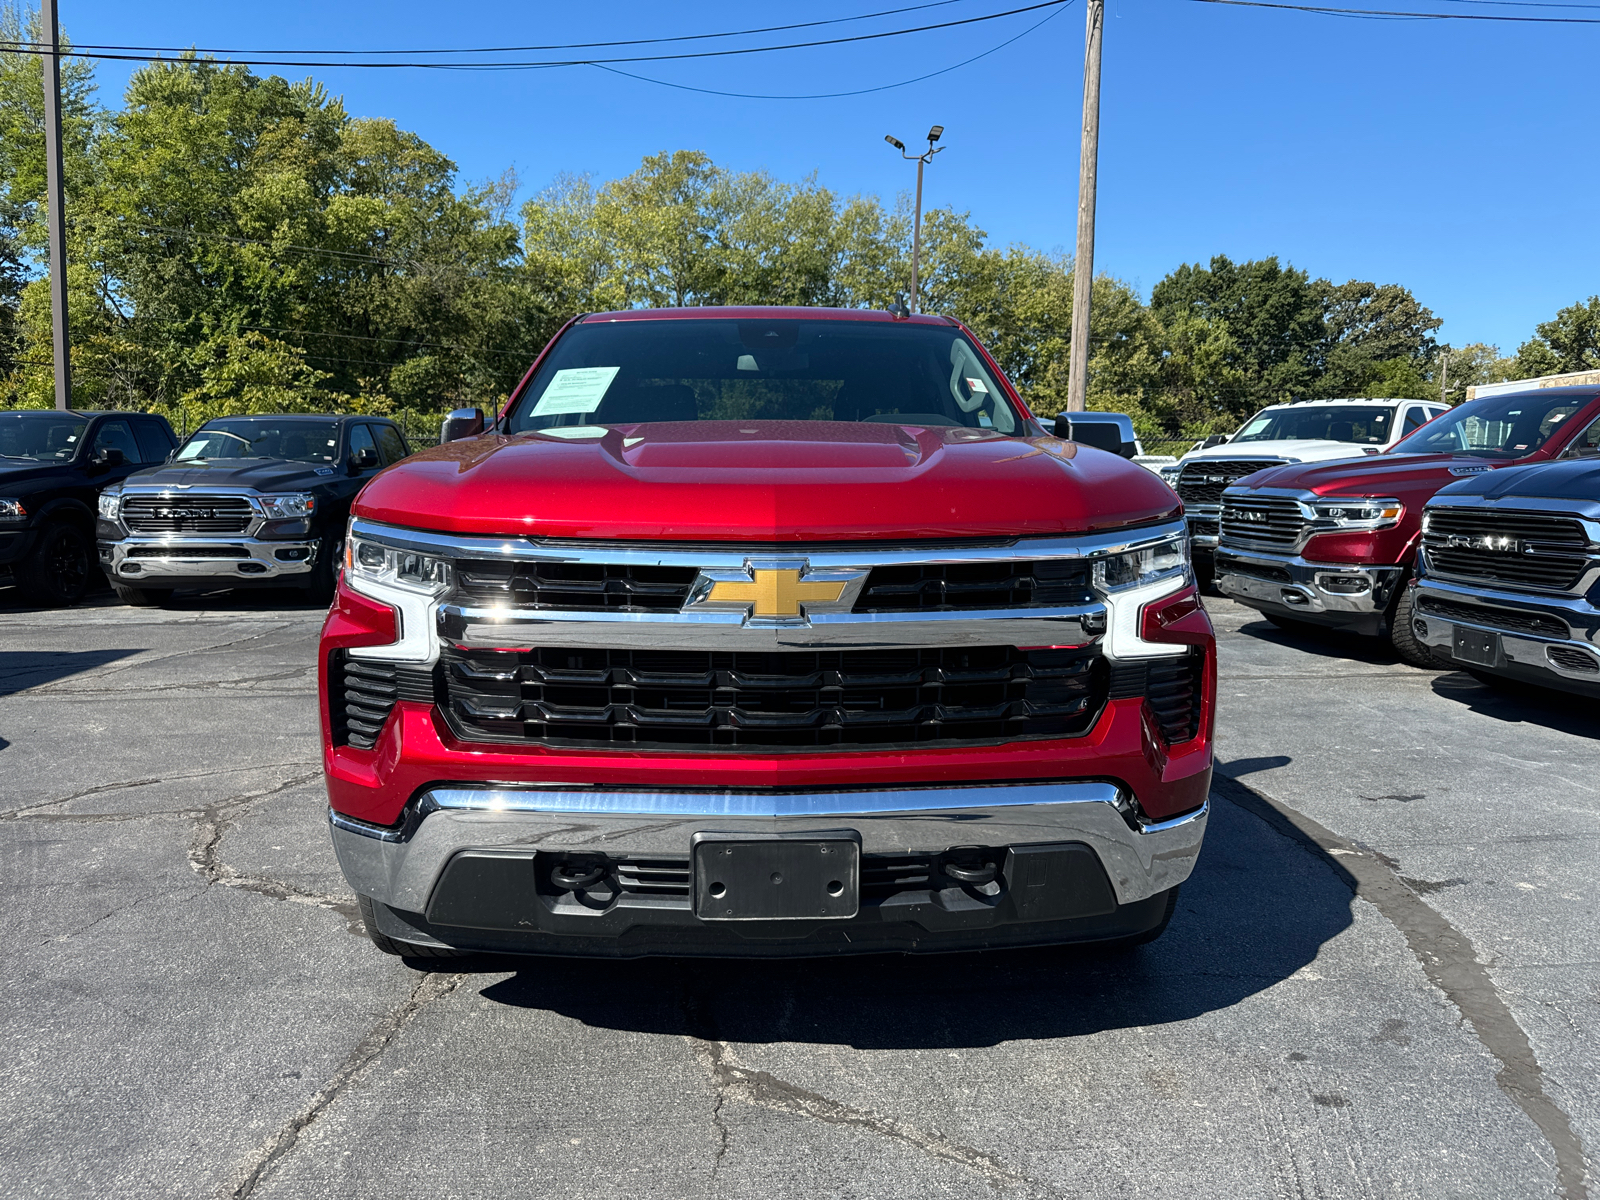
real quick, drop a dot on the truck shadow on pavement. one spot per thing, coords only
(1521, 704)
(23, 669)
(1257, 910)
(1326, 643)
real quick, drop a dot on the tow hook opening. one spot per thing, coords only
(1294, 599)
(975, 869)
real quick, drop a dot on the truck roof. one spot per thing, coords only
(760, 312)
(1385, 400)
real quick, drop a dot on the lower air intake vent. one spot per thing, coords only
(1173, 693)
(362, 693)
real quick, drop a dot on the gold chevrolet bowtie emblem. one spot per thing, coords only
(775, 593)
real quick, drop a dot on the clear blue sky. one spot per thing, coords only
(1457, 158)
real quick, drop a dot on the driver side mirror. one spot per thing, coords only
(364, 459)
(1104, 431)
(462, 423)
(108, 457)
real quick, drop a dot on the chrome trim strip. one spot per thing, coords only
(113, 555)
(402, 872)
(377, 833)
(1306, 580)
(731, 557)
(1586, 512)
(523, 629)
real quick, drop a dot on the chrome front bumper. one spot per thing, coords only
(1204, 522)
(1547, 653)
(401, 868)
(1291, 584)
(227, 556)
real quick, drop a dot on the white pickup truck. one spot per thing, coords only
(1303, 431)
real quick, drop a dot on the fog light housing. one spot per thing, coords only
(291, 554)
(131, 568)
(1345, 585)
(1419, 627)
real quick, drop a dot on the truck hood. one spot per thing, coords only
(1572, 480)
(23, 473)
(765, 481)
(257, 474)
(1296, 450)
(1375, 475)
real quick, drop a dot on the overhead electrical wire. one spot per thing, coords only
(655, 41)
(685, 87)
(40, 49)
(1411, 15)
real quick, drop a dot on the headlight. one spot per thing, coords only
(367, 558)
(1359, 512)
(300, 504)
(1130, 568)
(12, 512)
(110, 505)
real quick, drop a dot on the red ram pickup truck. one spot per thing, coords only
(764, 631)
(1335, 544)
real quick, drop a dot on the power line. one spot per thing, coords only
(188, 58)
(684, 87)
(686, 37)
(1389, 12)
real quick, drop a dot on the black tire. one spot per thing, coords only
(324, 576)
(399, 949)
(141, 597)
(1134, 941)
(1403, 638)
(59, 569)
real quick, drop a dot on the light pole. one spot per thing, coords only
(1083, 260)
(56, 207)
(922, 160)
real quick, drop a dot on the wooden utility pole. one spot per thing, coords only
(57, 205)
(1088, 161)
(1444, 379)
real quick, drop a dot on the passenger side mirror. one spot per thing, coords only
(1103, 431)
(364, 459)
(462, 423)
(108, 457)
(1215, 439)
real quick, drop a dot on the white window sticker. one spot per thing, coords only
(976, 386)
(575, 390)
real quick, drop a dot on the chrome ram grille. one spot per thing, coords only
(1532, 550)
(711, 700)
(187, 514)
(1274, 522)
(1204, 482)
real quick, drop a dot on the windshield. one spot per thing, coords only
(1494, 427)
(1364, 424)
(252, 437)
(40, 436)
(632, 372)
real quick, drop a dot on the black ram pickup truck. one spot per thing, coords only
(257, 501)
(53, 464)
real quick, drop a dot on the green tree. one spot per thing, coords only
(1568, 342)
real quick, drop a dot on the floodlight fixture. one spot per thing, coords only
(935, 134)
(895, 142)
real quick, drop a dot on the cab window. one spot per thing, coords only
(1586, 444)
(361, 439)
(391, 443)
(116, 435)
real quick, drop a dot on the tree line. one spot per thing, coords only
(241, 243)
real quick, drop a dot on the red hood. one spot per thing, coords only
(766, 481)
(1403, 476)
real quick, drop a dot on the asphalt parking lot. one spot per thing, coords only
(1383, 979)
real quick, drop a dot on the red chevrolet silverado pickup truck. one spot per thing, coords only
(1335, 544)
(765, 631)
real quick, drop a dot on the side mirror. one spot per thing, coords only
(1215, 439)
(1093, 429)
(462, 423)
(364, 459)
(109, 456)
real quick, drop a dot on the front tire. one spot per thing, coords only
(140, 597)
(388, 945)
(1403, 638)
(57, 572)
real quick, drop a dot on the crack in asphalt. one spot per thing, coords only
(731, 1080)
(128, 784)
(212, 824)
(1450, 962)
(109, 670)
(271, 1152)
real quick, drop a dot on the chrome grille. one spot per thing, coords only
(1267, 521)
(1532, 550)
(719, 700)
(953, 587)
(187, 514)
(1204, 482)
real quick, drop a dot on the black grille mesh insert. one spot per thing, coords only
(783, 700)
(1203, 482)
(1493, 618)
(186, 514)
(949, 587)
(576, 586)
(1532, 550)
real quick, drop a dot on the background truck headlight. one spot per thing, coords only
(300, 504)
(1168, 557)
